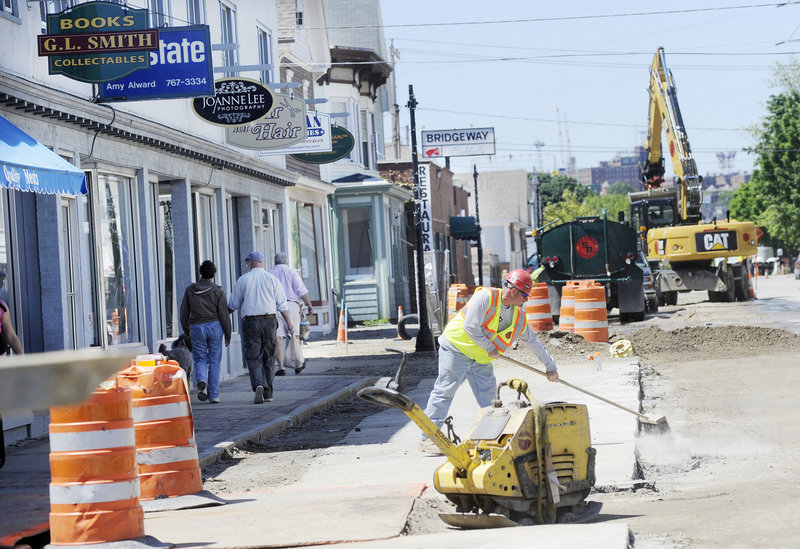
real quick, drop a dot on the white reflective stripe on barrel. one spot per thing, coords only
(159, 456)
(580, 305)
(161, 411)
(581, 324)
(539, 316)
(92, 440)
(94, 492)
(535, 302)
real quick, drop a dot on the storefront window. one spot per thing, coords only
(205, 229)
(118, 259)
(309, 250)
(166, 255)
(358, 257)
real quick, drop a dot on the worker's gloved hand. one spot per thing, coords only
(494, 353)
(552, 376)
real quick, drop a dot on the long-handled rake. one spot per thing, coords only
(650, 424)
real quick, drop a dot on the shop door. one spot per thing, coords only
(69, 265)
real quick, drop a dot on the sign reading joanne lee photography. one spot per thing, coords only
(284, 126)
(97, 42)
(236, 101)
(181, 67)
(318, 137)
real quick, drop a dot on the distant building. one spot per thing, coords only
(619, 168)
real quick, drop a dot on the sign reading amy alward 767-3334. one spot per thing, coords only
(97, 42)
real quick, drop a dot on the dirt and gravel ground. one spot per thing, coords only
(726, 375)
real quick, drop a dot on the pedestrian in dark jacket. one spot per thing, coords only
(204, 315)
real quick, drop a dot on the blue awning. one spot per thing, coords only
(27, 165)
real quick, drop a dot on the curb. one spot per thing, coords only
(298, 416)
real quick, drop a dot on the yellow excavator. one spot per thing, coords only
(687, 253)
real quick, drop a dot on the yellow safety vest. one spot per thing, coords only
(455, 334)
(535, 274)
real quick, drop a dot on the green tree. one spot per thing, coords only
(567, 209)
(620, 187)
(552, 187)
(772, 197)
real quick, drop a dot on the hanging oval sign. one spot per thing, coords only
(342, 142)
(236, 101)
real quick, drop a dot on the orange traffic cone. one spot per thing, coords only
(399, 316)
(341, 336)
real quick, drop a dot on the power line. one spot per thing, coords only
(564, 18)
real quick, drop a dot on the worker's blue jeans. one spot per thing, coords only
(207, 354)
(453, 368)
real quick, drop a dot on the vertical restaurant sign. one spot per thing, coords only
(318, 136)
(236, 101)
(180, 67)
(423, 197)
(284, 126)
(97, 42)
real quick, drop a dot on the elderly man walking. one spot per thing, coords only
(259, 296)
(296, 294)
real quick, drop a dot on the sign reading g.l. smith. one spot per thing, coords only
(97, 42)
(180, 67)
(469, 142)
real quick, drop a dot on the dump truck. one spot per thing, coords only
(594, 248)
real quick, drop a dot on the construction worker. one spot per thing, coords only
(488, 326)
(535, 274)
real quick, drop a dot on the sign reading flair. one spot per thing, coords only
(284, 126)
(97, 42)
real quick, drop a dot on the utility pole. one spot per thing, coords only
(395, 107)
(478, 226)
(424, 341)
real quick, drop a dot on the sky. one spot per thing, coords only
(554, 78)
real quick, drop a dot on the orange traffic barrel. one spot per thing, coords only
(166, 451)
(457, 296)
(94, 489)
(566, 319)
(537, 309)
(591, 320)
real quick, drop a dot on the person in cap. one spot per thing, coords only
(259, 297)
(290, 355)
(491, 322)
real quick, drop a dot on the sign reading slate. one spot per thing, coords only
(180, 67)
(236, 101)
(97, 42)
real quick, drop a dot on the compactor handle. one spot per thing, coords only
(386, 397)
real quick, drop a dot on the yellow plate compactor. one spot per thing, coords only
(522, 462)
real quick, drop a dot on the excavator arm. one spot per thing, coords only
(665, 115)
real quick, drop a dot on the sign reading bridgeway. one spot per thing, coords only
(469, 142)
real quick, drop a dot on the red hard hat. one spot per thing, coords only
(520, 279)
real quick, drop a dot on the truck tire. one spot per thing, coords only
(741, 284)
(727, 296)
(670, 298)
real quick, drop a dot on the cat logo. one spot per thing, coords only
(716, 241)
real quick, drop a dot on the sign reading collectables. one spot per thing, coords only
(97, 42)
(342, 142)
(284, 126)
(236, 101)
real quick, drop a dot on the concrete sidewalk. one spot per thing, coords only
(363, 488)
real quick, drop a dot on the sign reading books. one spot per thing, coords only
(97, 42)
